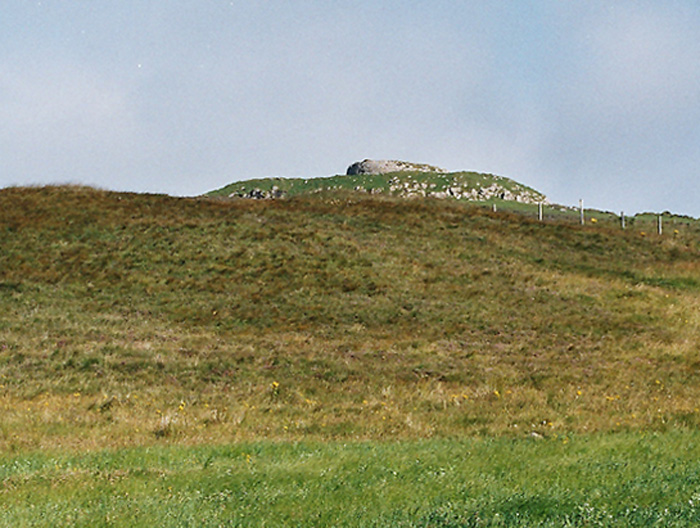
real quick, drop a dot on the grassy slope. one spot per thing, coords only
(436, 182)
(139, 319)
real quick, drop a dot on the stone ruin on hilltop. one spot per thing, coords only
(369, 166)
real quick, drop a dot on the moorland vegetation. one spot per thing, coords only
(175, 327)
(129, 319)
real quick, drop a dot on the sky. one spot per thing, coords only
(595, 100)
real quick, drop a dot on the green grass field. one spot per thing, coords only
(595, 480)
(139, 332)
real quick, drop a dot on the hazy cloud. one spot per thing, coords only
(599, 100)
(59, 122)
(622, 130)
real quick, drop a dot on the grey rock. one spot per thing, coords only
(369, 166)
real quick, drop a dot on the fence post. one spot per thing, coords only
(580, 205)
(539, 211)
(660, 226)
(494, 207)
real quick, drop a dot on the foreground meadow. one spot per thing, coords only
(597, 480)
(146, 331)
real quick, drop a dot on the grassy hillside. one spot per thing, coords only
(469, 186)
(132, 319)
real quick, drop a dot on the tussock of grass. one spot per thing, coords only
(142, 319)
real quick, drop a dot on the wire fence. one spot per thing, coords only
(660, 224)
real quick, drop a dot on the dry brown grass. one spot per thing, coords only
(137, 319)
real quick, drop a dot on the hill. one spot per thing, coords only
(134, 319)
(381, 177)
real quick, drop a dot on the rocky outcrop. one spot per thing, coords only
(450, 186)
(369, 166)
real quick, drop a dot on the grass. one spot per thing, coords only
(187, 362)
(136, 319)
(601, 480)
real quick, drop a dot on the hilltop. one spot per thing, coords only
(134, 319)
(368, 166)
(394, 178)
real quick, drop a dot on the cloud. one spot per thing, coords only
(578, 99)
(316, 92)
(641, 62)
(625, 109)
(58, 121)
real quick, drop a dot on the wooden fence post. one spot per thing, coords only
(580, 205)
(622, 219)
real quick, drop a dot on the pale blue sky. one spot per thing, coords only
(596, 100)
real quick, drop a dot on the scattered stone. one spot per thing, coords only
(258, 194)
